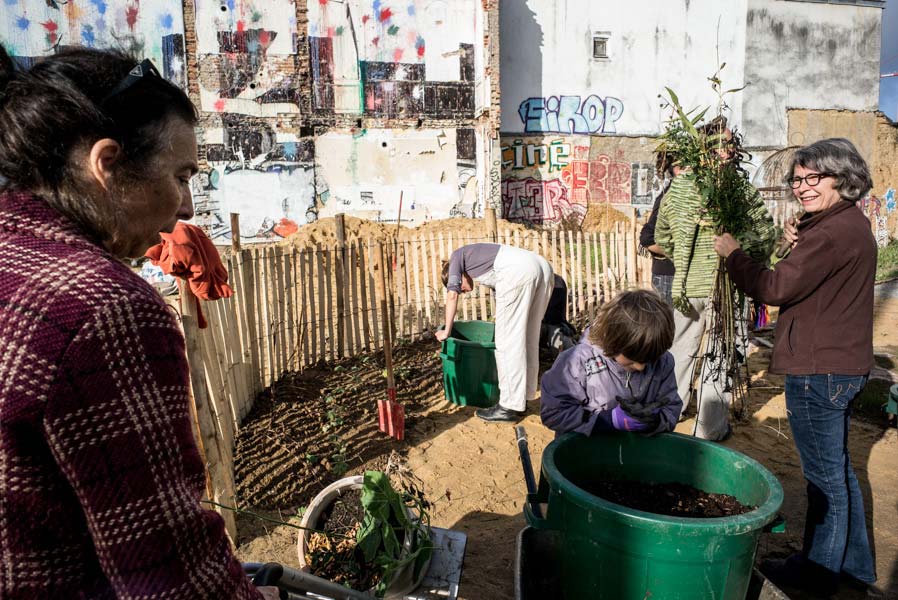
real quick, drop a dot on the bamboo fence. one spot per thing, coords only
(294, 308)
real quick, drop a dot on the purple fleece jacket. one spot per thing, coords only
(580, 390)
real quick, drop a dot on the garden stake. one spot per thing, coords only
(390, 414)
(398, 221)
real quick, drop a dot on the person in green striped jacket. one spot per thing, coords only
(687, 238)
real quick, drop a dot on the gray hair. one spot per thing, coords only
(838, 157)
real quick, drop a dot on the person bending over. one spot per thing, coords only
(522, 281)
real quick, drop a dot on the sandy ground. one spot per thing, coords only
(471, 468)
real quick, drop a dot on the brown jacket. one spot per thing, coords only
(824, 289)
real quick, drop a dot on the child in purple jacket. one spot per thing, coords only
(620, 376)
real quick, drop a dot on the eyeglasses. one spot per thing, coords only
(145, 69)
(811, 179)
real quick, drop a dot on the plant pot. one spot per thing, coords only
(402, 582)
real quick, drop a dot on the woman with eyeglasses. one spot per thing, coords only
(824, 346)
(100, 476)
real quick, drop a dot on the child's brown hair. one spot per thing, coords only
(636, 323)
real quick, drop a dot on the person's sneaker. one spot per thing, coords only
(499, 413)
(793, 573)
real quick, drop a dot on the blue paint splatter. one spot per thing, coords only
(290, 150)
(411, 10)
(231, 5)
(167, 21)
(22, 23)
(11, 2)
(87, 36)
(376, 6)
(101, 6)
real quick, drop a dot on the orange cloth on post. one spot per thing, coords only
(189, 254)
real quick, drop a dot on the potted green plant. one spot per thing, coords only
(367, 536)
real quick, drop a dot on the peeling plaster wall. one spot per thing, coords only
(806, 55)
(310, 107)
(552, 84)
(364, 174)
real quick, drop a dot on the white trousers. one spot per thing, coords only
(713, 416)
(523, 283)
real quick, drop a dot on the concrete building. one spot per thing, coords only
(581, 83)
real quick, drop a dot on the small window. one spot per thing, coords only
(600, 46)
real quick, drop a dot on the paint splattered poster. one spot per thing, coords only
(247, 56)
(155, 30)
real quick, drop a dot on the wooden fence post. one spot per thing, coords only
(340, 281)
(489, 215)
(218, 464)
(235, 232)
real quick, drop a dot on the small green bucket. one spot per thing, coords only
(469, 364)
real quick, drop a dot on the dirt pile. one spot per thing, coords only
(324, 232)
(602, 217)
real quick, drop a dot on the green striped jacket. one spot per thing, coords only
(686, 235)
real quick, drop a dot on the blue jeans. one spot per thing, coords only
(835, 536)
(663, 284)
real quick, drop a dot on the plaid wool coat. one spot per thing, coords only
(100, 476)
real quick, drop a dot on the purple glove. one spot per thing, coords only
(624, 422)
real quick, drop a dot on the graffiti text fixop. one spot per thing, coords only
(567, 114)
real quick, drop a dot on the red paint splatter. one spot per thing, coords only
(264, 38)
(397, 55)
(322, 2)
(330, 31)
(365, 18)
(131, 16)
(286, 227)
(376, 40)
(241, 26)
(51, 27)
(220, 105)
(421, 51)
(385, 15)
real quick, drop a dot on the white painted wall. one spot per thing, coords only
(547, 52)
(363, 173)
(34, 29)
(807, 55)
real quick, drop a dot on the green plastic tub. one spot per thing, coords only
(615, 553)
(469, 364)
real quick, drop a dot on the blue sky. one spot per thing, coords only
(888, 87)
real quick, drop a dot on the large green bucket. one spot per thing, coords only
(615, 553)
(469, 364)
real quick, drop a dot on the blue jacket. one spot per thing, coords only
(580, 390)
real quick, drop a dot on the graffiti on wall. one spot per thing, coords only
(267, 180)
(382, 60)
(571, 114)
(540, 202)
(247, 57)
(155, 30)
(877, 210)
(565, 165)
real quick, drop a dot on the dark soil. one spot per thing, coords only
(335, 556)
(343, 515)
(669, 499)
(312, 428)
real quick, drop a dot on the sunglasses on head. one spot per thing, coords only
(146, 68)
